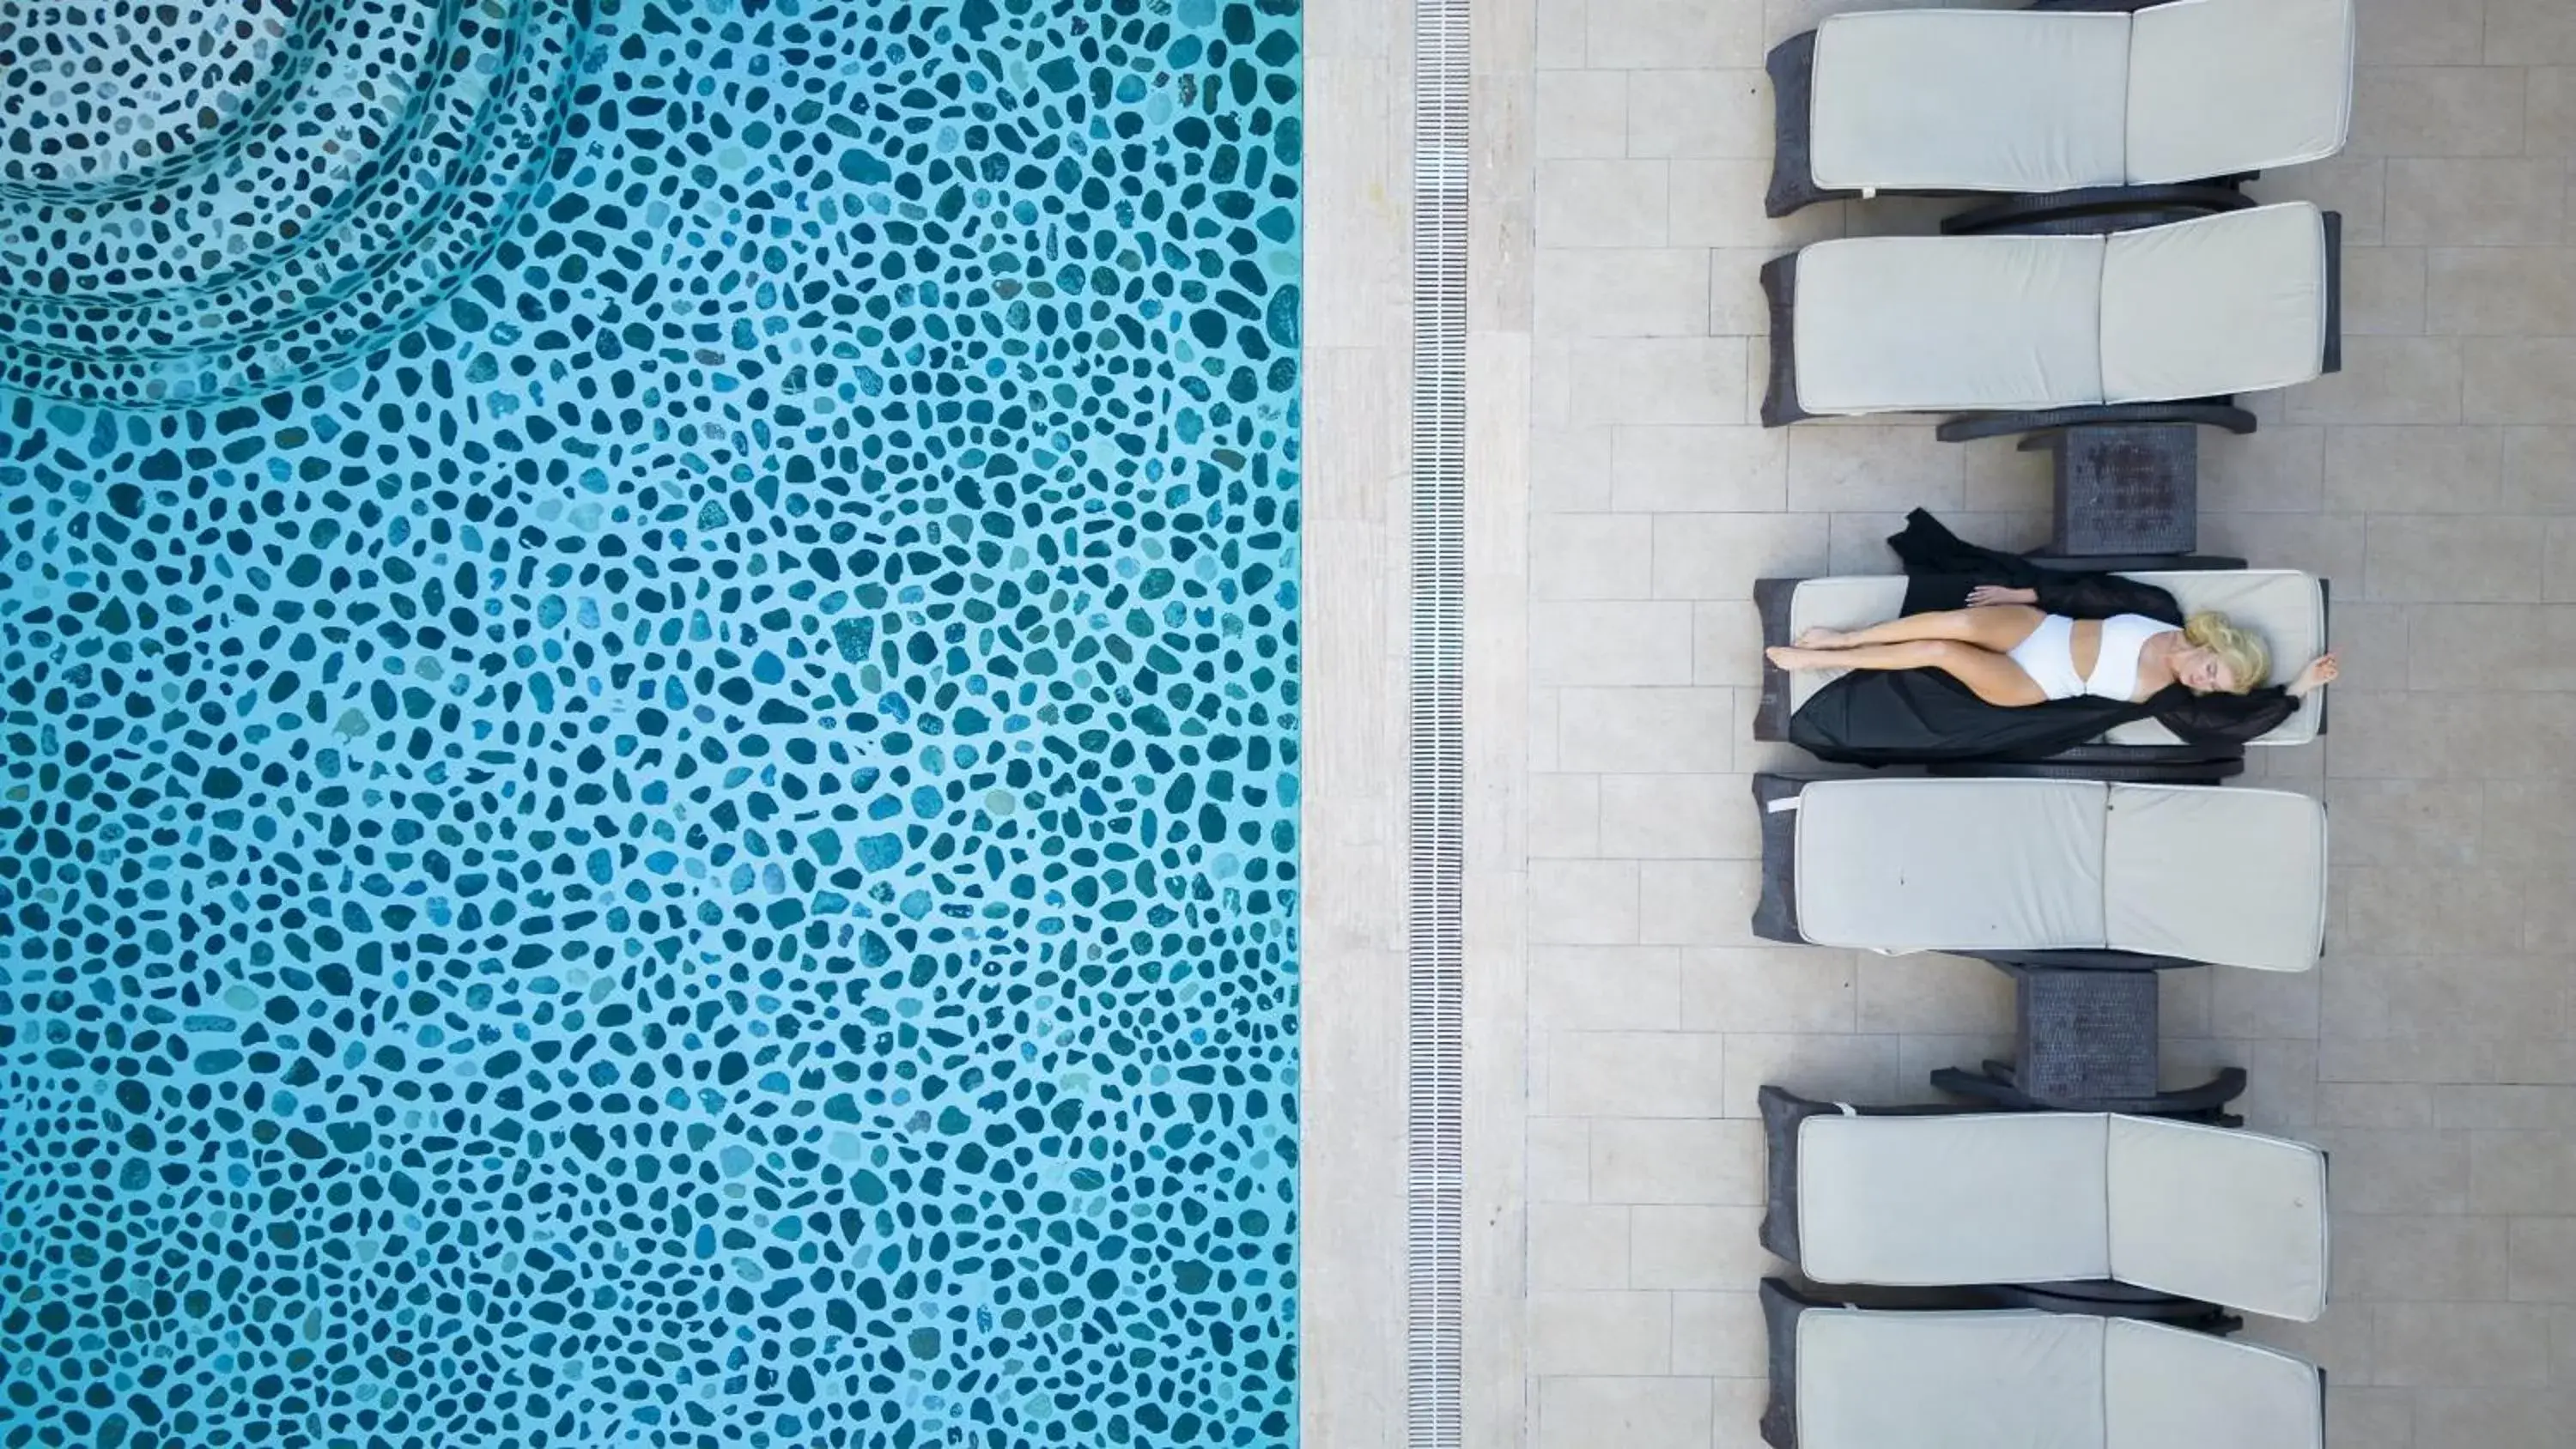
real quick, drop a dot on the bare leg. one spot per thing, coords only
(1997, 629)
(1989, 675)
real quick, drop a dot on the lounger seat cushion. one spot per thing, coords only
(2222, 304)
(1958, 864)
(2227, 876)
(1953, 1173)
(2286, 607)
(2050, 1197)
(1969, 100)
(1938, 1380)
(1896, 323)
(1883, 1380)
(2016, 100)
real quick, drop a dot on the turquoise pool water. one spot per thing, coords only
(649, 788)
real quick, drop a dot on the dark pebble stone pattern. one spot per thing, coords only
(649, 765)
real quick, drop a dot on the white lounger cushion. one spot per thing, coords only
(1958, 864)
(2171, 1388)
(2013, 100)
(1969, 100)
(2227, 303)
(2223, 304)
(1968, 1198)
(2284, 606)
(2206, 873)
(1949, 1380)
(2047, 1197)
(1882, 1380)
(2210, 1213)
(2218, 87)
(2230, 877)
(1899, 323)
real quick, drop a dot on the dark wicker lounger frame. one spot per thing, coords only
(1792, 64)
(1783, 1302)
(2177, 764)
(1780, 406)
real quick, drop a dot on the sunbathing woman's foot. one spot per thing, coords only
(1795, 659)
(1822, 639)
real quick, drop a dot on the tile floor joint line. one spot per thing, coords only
(1435, 965)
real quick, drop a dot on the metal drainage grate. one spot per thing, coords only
(1435, 968)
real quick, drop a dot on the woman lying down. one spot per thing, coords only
(2069, 655)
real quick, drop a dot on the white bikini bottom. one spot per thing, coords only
(2048, 657)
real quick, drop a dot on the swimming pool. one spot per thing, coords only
(650, 778)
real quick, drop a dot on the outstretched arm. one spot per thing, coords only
(2224, 718)
(2321, 671)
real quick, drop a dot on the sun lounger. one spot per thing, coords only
(2021, 333)
(1861, 1378)
(2286, 607)
(2150, 1205)
(2059, 98)
(2046, 872)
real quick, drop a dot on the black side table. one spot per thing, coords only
(2085, 1036)
(2087, 1043)
(2124, 490)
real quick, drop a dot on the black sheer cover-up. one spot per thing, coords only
(1910, 716)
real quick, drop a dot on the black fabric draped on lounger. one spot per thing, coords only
(1914, 715)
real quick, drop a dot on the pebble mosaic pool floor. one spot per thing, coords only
(648, 785)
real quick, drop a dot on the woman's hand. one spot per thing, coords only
(1987, 596)
(2321, 671)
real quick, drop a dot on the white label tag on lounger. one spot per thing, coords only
(1783, 804)
(1847, 1109)
(1868, 193)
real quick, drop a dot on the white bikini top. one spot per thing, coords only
(2048, 656)
(2115, 664)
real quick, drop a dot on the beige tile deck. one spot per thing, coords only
(1622, 505)
(2434, 1052)
(1357, 353)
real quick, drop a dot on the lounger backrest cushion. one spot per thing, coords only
(2228, 876)
(2221, 87)
(1901, 323)
(1932, 864)
(2171, 1388)
(1969, 100)
(1938, 1380)
(1975, 1198)
(2221, 304)
(2285, 606)
(2225, 1216)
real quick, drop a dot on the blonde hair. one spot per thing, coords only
(2248, 661)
